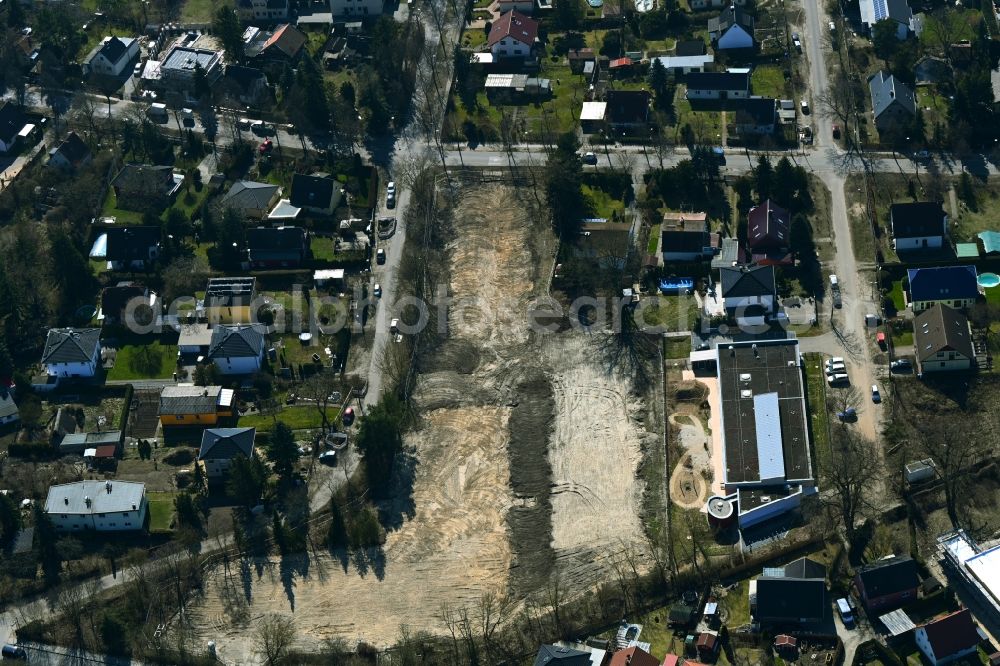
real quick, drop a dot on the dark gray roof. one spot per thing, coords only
(73, 149)
(7, 406)
(805, 568)
(887, 90)
(230, 291)
(240, 341)
(739, 282)
(70, 345)
(113, 48)
(627, 106)
(131, 243)
(561, 656)
(189, 399)
(940, 328)
(718, 81)
(145, 179)
(314, 190)
(244, 76)
(943, 283)
(685, 241)
(226, 443)
(889, 576)
(691, 47)
(757, 111)
(248, 194)
(276, 238)
(729, 17)
(920, 218)
(12, 120)
(790, 599)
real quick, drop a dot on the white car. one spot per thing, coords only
(834, 368)
(394, 326)
(804, 105)
(377, 290)
(876, 396)
(390, 189)
(835, 360)
(838, 378)
(243, 123)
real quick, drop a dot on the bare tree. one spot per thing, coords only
(320, 388)
(853, 473)
(273, 639)
(842, 398)
(955, 450)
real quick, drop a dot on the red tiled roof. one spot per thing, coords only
(952, 633)
(768, 225)
(671, 660)
(620, 62)
(515, 25)
(633, 656)
(106, 451)
(288, 39)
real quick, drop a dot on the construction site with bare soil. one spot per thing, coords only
(526, 459)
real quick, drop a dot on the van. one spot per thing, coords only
(157, 111)
(13, 652)
(394, 326)
(837, 378)
(846, 614)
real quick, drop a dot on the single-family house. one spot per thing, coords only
(194, 338)
(592, 117)
(243, 85)
(698, 5)
(893, 103)
(178, 68)
(71, 153)
(627, 110)
(956, 286)
(145, 187)
(523, 6)
(732, 29)
(190, 405)
(79, 442)
(718, 85)
(132, 248)
(237, 349)
(112, 56)
(252, 199)
(578, 58)
(769, 233)
(220, 446)
(942, 340)
(557, 655)
(284, 45)
(316, 193)
(512, 36)
(358, 8)
(128, 304)
(897, 11)
(262, 11)
(684, 65)
(228, 299)
(102, 506)
(918, 225)
(514, 88)
(8, 408)
(949, 638)
(12, 126)
(682, 245)
(749, 294)
(277, 247)
(794, 594)
(887, 584)
(757, 116)
(72, 352)
(633, 656)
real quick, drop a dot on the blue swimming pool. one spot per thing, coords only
(988, 280)
(668, 285)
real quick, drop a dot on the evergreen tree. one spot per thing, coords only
(764, 174)
(46, 546)
(563, 190)
(336, 536)
(10, 520)
(229, 29)
(282, 451)
(380, 441)
(246, 480)
(71, 273)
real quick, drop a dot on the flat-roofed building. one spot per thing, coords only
(977, 567)
(102, 506)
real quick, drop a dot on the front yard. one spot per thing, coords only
(297, 417)
(150, 360)
(769, 81)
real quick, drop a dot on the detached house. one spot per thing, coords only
(277, 247)
(262, 11)
(718, 85)
(697, 5)
(512, 36)
(72, 352)
(356, 8)
(102, 506)
(757, 116)
(956, 286)
(71, 154)
(284, 45)
(8, 408)
(557, 655)
(112, 57)
(237, 350)
(893, 103)
(684, 245)
(732, 29)
(132, 248)
(948, 638)
(794, 594)
(887, 584)
(220, 446)
(919, 225)
(243, 85)
(627, 110)
(942, 340)
(228, 299)
(127, 303)
(897, 11)
(749, 295)
(189, 405)
(13, 125)
(316, 193)
(252, 199)
(768, 232)
(143, 187)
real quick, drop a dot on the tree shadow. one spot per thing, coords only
(290, 568)
(246, 577)
(369, 560)
(398, 508)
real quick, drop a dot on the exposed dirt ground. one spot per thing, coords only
(526, 458)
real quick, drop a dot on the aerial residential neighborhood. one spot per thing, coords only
(512, 332)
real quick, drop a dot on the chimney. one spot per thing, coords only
(66, 501)
(107, 486)
(86, 500)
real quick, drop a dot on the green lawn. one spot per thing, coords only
(123, 216)
(934, 107)
(673, 313)
(902, 338)
(678, 347)
(707, 125)
(654, 239)
(161, 511)
(473, 39)
(897, 296)
(818, 414)
(199, 11)
(297, 417)
(601, 204)
(152, 360)
(322, 248)
(317, 40)
(768, 81)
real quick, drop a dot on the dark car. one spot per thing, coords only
(348, 416)
(13, 652)
(380, 257)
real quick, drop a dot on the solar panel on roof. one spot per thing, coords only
(767, 424)
(881, 10)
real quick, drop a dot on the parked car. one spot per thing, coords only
(849, 414)
(347, 417)
(137, 70)
(833, 360)
(390, 189)
(902, 365)
(846, 614)
(377, 290)
(589, 158)
(328, 457)
(876, 396)
(187, 117)
(836, 131)
(13, 652)
(266, 146)
(394, 326)
(837, 378)
(834, 368)
(796, 42)
(243, 124)
(260, 128)
(804, 105)
(390, 200)
(380, 256)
